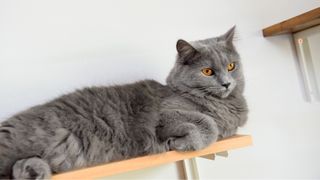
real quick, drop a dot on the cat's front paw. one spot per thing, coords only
(32, 168)
(183, 144)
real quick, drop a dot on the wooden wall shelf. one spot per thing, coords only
(295, 24)
(109, 169)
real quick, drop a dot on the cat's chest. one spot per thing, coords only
(227, 114)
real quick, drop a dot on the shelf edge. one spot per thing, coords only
(143, 162)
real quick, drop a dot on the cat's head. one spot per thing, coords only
(209, 67)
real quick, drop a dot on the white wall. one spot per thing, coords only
(52, 47)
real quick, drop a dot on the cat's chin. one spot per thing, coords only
(221, 95)
(225, 94)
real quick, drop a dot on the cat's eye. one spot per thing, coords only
(207, 71)
(231, 66)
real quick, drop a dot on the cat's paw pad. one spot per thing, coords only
(32, 168)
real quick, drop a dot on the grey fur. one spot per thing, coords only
(104, 124)
(31, 168)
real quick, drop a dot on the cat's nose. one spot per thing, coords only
(226, 85)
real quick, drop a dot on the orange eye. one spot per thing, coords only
(207, 71)
(231, 66)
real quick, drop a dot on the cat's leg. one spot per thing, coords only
(65, 152)
(187, 130)
(8, 151)
(7, 159)
(31, 168)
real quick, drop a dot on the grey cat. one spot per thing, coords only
(201, 103)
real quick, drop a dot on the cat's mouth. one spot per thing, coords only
(225, 92)
(216, 92)
(212, 91)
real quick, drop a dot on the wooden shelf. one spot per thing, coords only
(295, 24)
(109, 169)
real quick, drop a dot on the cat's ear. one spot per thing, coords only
(229, 36)
(186, 52)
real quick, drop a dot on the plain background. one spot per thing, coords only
(48, 48)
